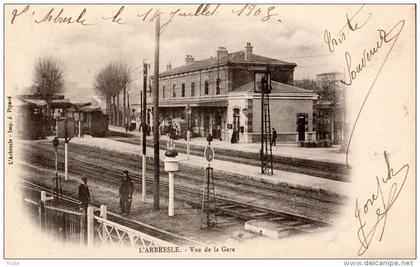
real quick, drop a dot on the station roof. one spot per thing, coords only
(89, 108)
(195, 103)
(35, 102)
(81, 104)
(235, 57)
(277, 87)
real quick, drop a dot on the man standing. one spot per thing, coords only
(274, 137)
(126, 193)
(84, 194)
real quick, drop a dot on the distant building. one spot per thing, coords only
(329, 77)
(329, 112)
(220, 92)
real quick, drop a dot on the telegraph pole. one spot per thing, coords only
(143, 129)
(156, 118)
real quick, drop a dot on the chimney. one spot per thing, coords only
(222, 52)
(189, 59)
(248, 51)
(169, 66)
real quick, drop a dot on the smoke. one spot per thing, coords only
(97, 101)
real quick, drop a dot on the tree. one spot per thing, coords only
(48, 78)
(329, 92)
(110, 81)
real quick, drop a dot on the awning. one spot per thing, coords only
(194, 103)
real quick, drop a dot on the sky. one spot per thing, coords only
(83, 50)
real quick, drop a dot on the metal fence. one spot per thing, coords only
(113, 233)
(84, 227)
(58, 223)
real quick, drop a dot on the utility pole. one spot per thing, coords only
(156, 118)
(143, 129)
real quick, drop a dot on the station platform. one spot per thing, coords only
(301, 181)
(325, 155)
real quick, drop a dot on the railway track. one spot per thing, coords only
(192, 196)
(297, 199)
(136, 225)
(324, 170)
(132, 162)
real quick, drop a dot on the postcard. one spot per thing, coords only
(209, 131)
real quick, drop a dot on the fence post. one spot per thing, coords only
(43, 196)
(90, 226)
(103, 215)
(83, 226)
(41, 213)
(64, 229)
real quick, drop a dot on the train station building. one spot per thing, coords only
(219, 92)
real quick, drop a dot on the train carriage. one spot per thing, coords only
(32, 122)
(95, 122)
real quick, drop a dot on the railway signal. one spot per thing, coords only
(262, 84)
(143, 131)
(56, 180)
(208, 204)
(66, 131)
(55, 144)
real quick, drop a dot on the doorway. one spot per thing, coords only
(206, 124)
(301, 123)
(236, 123)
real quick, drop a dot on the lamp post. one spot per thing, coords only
(156, 157)
(188, 113)
(171, 166)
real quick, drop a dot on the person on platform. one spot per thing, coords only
(274, 137)
(126, 193)
(84, 194)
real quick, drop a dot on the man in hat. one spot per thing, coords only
(126, 193)
(84, 194)
(274, 137)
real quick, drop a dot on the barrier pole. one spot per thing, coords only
(188, 144)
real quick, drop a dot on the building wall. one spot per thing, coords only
(283, 111)
(230, 79)
(199, 78)
(241, 104)
(283, 118)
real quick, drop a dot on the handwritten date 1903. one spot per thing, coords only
(387, 191)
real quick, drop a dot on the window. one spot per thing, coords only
(218, 86)
(183, 90)
(174, 90)
(206, 87)
(192, 89)
(163, 92)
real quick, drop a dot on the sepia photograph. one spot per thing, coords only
(212, 131)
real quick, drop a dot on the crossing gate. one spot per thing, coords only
(58, 223)
(74, 225)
